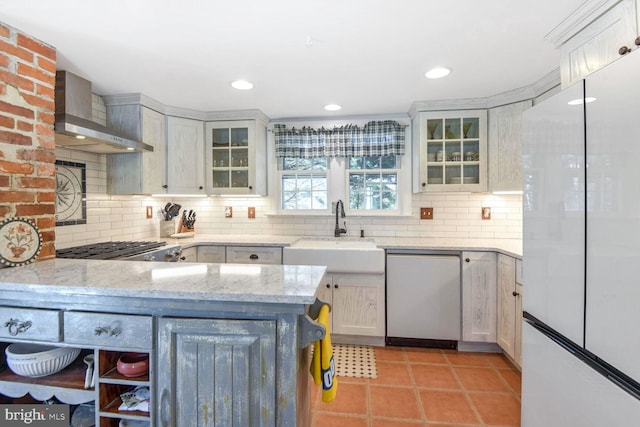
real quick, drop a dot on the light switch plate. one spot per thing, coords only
(251, 212)
(426, 213)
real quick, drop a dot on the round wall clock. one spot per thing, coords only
(20, 241)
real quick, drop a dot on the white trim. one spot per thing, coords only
(578, 20)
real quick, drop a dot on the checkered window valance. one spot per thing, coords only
(376, 138)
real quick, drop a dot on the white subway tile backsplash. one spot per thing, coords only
(456, 215)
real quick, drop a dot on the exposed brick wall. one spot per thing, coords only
(27, 142)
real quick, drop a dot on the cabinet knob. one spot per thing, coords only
(200, 188)
(165, 186)
(328, 286)
(251, 187)
(637, 41)
(515, 294)
(182, 258)
(335, 286)
(624, 50)
(253, 256)
(424, 184)
(467, 260)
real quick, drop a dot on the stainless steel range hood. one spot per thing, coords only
(74, 126)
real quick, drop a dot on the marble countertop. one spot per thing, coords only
(511, 247)
(280, 284)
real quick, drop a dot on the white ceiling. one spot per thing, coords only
(369, 56)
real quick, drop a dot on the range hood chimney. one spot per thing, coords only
(74, 126)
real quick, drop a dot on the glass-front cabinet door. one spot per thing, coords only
(452, 151)
(231, 157)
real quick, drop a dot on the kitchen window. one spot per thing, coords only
(303, 183)
(358, 163)
(373, 183)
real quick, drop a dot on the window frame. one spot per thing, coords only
(378, 171)
(337, 178)
(281, 173)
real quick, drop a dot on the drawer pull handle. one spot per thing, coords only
(253, 256)
(16, 326)
(114, 332)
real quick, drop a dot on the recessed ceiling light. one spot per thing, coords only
(332, 107)
(580, 101)
(242, 85)
(438, 72)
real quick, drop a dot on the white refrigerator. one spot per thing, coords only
(581, 207)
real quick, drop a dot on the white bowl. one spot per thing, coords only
(35, 360)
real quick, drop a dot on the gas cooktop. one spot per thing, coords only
(108, 250)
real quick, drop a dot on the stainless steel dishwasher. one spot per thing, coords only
(423, 298)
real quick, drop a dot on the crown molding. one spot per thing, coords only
(539, 87)
(578, 20)
(542, 85)
(448, 104)
(253, 114)
(146, 101)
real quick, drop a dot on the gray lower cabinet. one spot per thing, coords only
(254, 254)
(211, 253)
(216, 372)
(190, 254)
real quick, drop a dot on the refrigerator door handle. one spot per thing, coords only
(614, 375)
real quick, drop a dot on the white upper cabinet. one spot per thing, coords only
(505, 146)
(185, 160)
(236, 157)
(593, 37)
(451, 151)
(138, 173)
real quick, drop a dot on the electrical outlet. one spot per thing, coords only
(426, 213)
(251, 213)
(149, 211)
(486, 213)
(228, 212)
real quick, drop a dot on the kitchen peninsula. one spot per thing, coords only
(226, 341)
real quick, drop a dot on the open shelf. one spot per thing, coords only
(110, 401)
(70, 377)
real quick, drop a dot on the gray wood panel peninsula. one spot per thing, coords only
(227, 343)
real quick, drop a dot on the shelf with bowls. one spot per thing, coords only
(44, 372)
(46, 378)
(121, 372)
(452, 151)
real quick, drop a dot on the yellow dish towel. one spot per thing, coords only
(323, 369)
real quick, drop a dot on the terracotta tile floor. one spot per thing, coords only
(426, 387)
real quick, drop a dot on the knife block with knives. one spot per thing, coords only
(187, 222)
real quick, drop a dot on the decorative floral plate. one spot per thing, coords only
(20, 241)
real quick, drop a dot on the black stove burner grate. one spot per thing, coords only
(108, 250)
